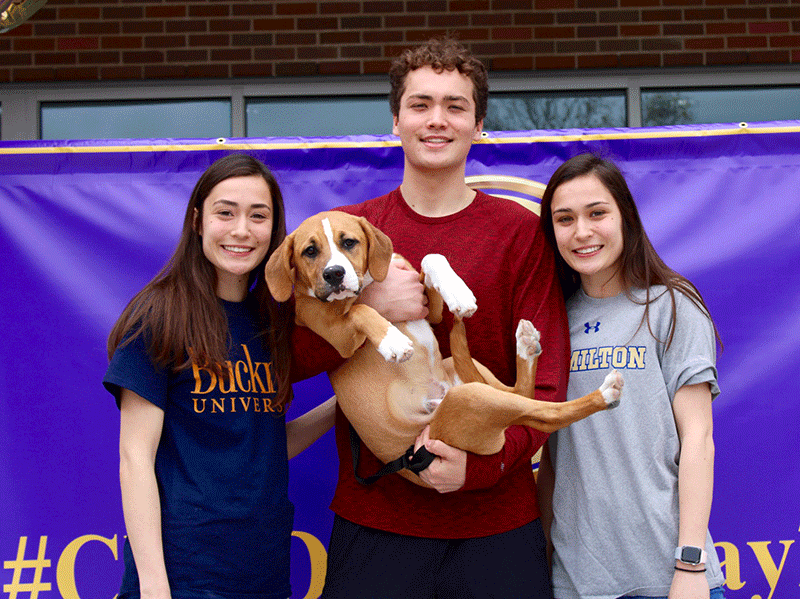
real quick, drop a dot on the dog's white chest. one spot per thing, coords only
(422, 333)
(437, 383)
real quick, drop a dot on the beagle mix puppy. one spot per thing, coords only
(395, 385)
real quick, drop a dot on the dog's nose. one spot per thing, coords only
(333, 275)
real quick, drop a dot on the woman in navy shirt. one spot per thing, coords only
(200, 368)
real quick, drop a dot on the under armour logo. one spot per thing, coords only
(589, 327)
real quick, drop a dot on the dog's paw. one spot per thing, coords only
(395, 346)
(528, 346)
(611, 389)
(454, 291)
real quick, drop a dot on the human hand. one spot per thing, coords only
(400, 297)
(448, 471)
(689, 585)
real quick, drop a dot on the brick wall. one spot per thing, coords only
(90, 40)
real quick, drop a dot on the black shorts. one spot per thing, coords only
(364, 563)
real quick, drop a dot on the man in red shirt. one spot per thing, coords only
(478, 534)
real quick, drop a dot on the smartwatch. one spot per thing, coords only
(690, 555)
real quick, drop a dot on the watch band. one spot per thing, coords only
(689, 554)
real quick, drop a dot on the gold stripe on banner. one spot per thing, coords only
(742, 129)
(222, 143)
(520, 185)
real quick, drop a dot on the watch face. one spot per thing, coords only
(691, 555)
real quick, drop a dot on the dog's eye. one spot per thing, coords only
(349, 244)
(310, 252)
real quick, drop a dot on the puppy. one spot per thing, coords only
(395, 385)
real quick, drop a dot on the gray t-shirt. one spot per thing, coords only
(615, 503)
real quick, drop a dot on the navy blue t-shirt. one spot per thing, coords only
(221, 467)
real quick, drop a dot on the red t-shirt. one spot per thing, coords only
(497, 247)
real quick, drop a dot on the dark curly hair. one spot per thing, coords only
(443, 53)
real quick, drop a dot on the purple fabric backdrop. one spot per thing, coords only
(84, 225)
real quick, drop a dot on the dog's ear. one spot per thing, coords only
(380, 249)
(279, 272)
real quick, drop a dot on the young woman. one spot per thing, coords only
(200, 368)
(627, 493)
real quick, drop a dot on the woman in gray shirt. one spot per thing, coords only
(626, 494)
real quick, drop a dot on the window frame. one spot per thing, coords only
(20, 103)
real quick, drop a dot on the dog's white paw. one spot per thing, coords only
(611, 389)
(528, 346)
(395, 346)
(454, 291)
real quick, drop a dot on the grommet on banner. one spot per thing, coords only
(743, 125)
(222, 140)
(484, 134)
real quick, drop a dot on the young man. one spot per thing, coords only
(478, 534)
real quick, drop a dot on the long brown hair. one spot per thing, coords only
(179, 308)
(641, 266)
(441, 54)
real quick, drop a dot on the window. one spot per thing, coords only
(356, 115)
(318, 116)
(563, 110)
(730, 105)
(339, 106)
(142, 119)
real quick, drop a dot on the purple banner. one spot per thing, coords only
(85, 224)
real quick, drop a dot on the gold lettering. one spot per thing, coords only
(732, 565)
(256, 404)
(231, 380)
(65, 571)
(636, 357)
(592, 365)
(217, 405)
(233, 404)
(270, 386)
(574, 364)
(245, 404)
(772, 573)
(605, 356)
(198, 380)
(267, 404)
(319, 558)
(253, 373)
(203, 399)
(619, 358)
(239, 375)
